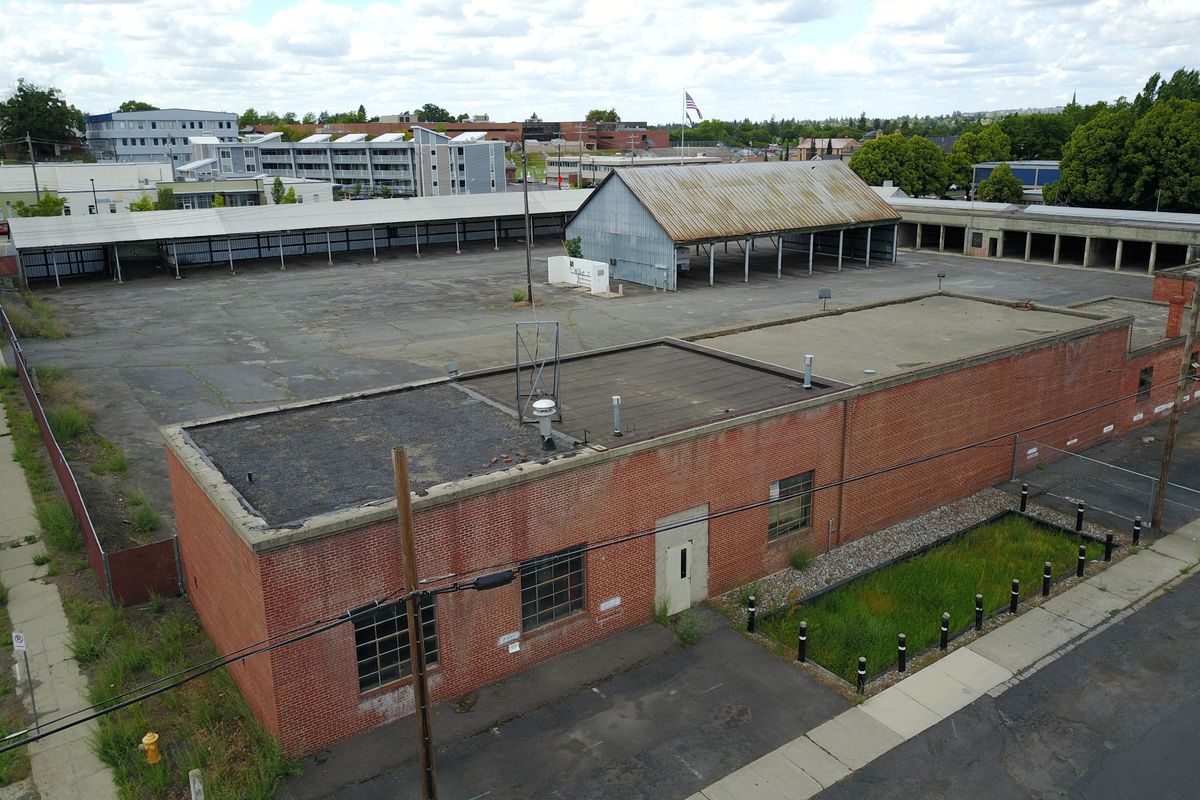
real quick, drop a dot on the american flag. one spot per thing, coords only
(690, 104)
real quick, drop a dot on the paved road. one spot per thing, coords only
(1118, 717)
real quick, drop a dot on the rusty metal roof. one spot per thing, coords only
(729, 201)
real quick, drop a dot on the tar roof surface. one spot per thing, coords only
(898, 337)
(731, 200)
(1149, 318)
(663, 388)
(333, 455)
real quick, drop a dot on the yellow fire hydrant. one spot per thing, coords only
(150, 745)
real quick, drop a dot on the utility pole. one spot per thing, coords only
(33, 163)
(1160, 492)
(528, 223)
(95, 202)
(416, 636)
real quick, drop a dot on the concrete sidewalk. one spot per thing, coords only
(989, 665)
(63, 765)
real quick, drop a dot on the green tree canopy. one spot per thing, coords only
(290, 197)
(166, 199)
(989, 144)
(1183, 85)
(143, 203)
(915, 164)
(309, 119)
(1001, 186)
(1162, 156)
(218, 201)
(277, 191)
(600, 115)
(1092, 165)
(136, 105)
(1036, 136)
(431, 112)
(47, 205)
(248, 117)
(40, 112)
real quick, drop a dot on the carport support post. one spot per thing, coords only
(1057, 247)
(1089, 251)
(117, 256)
(941, 238)
(457, 246)
(867, 260)
(1120, 252)
(229, 252)
(917, 241)
(779, 258)
(328, 249)
(841, 241)
(496, 234)
(1028, 244)
(175, 256)
(746, 262)
(282, 266)
(895, 241)
(712, 255)
(374, 251)
(57, 285)
(812, 239)
(1153, 255)
(417, 239)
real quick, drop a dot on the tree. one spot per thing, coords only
(136, 105)
(431, 112)
(1183, 85)
(47, 205)
(248, 117)
(928, 173)
(362, 113)
(218, 201)
(916, 165)
(290, 197)
(277, 191)
(309, 119)
(1001, 186)
(1162, 156)
(143, 203)
(1092, 166)
(989, 144)
(600, 115)
(40, 112)
(289, 134)
(1037, 136)
(289, 118)
(166, 199)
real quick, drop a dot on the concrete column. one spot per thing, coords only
(1153, 256)
(712, 255)
(1000, 245)
(328, 248)
(895, 240)
(228, 251)
(941, 238)
(496, 234)
(417, 239)
(374, 251)
(1120, 252)
(779, 257)
(746, 262)
(841, 241)
(867, 260)
(1057, 247)
(57, 285)
(175, 255)
(282, 267)
(812, 240)
(917, 241)
(1028, 244)
(1089, 254)
(1190, 255)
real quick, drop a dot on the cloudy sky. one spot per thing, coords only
(511, 58)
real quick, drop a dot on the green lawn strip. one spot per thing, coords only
(864, 617)
(33, 317)
(14, 764)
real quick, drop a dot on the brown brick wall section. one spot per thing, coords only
(223, 584)
(1167, 286)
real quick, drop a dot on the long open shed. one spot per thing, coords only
(59, 247)
(648, 222)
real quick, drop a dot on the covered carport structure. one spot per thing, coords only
(54, 248)
(646, 221)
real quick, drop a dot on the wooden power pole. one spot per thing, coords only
(1185, 365)
(416, 637)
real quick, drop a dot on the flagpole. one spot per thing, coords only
(682, 125)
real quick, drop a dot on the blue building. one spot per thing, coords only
(159, 135)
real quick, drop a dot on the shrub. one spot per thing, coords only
(689, 628)
(142, 518)
(748, 591)
(69, 422)
(660, 614)
(518, 295)
(800, 559)
(59, 529)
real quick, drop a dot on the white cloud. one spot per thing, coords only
(807, 58)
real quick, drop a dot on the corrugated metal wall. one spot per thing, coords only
(616, 228)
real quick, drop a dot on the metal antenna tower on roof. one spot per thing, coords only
(537, 367)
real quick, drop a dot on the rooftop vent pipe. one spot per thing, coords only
(616, 415)
(808, 373)
(543, 410)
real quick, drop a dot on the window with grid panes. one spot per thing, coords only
(791, 506)
(381, 644)
(551, 587)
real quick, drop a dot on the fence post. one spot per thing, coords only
(1046, 579)
(108, 584)
(178, 566)
(802, 644)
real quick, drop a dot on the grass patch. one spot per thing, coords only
(33, 317)
(142, 518)
(800, 559)
(518, 295)
(14, 764)
(689, 628)
(863, 617)
(41, 559)
(108, 458)
(59, 528)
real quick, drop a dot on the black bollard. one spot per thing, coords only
(862, 674)
(978, 612)
(1046, 580)
(1079, 518)
(1082, 562)
(1016, 595)
(802, 645)
(945, 640)
(750, 617)
(901, 654)
(1108, 546)
(1137, 531)
(1024, 496)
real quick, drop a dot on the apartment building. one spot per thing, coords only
(160, 135)
(430, 163)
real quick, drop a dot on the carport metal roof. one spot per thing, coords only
(45, 233)
(727, 201)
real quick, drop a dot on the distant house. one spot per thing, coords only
(944, 142)
(808, 148)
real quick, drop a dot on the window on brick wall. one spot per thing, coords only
(551, 587)
(1145, 381)
(791, 505)
(381, 644)
(1192, 364)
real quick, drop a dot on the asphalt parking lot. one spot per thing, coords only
(156, 350)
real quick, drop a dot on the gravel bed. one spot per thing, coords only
(863, 555)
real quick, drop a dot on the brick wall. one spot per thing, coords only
(1167, 285)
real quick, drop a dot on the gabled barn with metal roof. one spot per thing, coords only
(648, 222)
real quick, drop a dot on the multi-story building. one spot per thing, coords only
(430, 163)
(86, 188)
(160, 135)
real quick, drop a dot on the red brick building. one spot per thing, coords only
(284, 516)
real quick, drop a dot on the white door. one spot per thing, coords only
(679, 577)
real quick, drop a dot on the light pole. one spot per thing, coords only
(95, 202)
(560, 143)
(528, 225)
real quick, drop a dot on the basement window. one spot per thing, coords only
(381, 644)
(551, 587)
(1145, 381)
(791, 505)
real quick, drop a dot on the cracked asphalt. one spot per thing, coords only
(156, 350)
(1115, 718)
